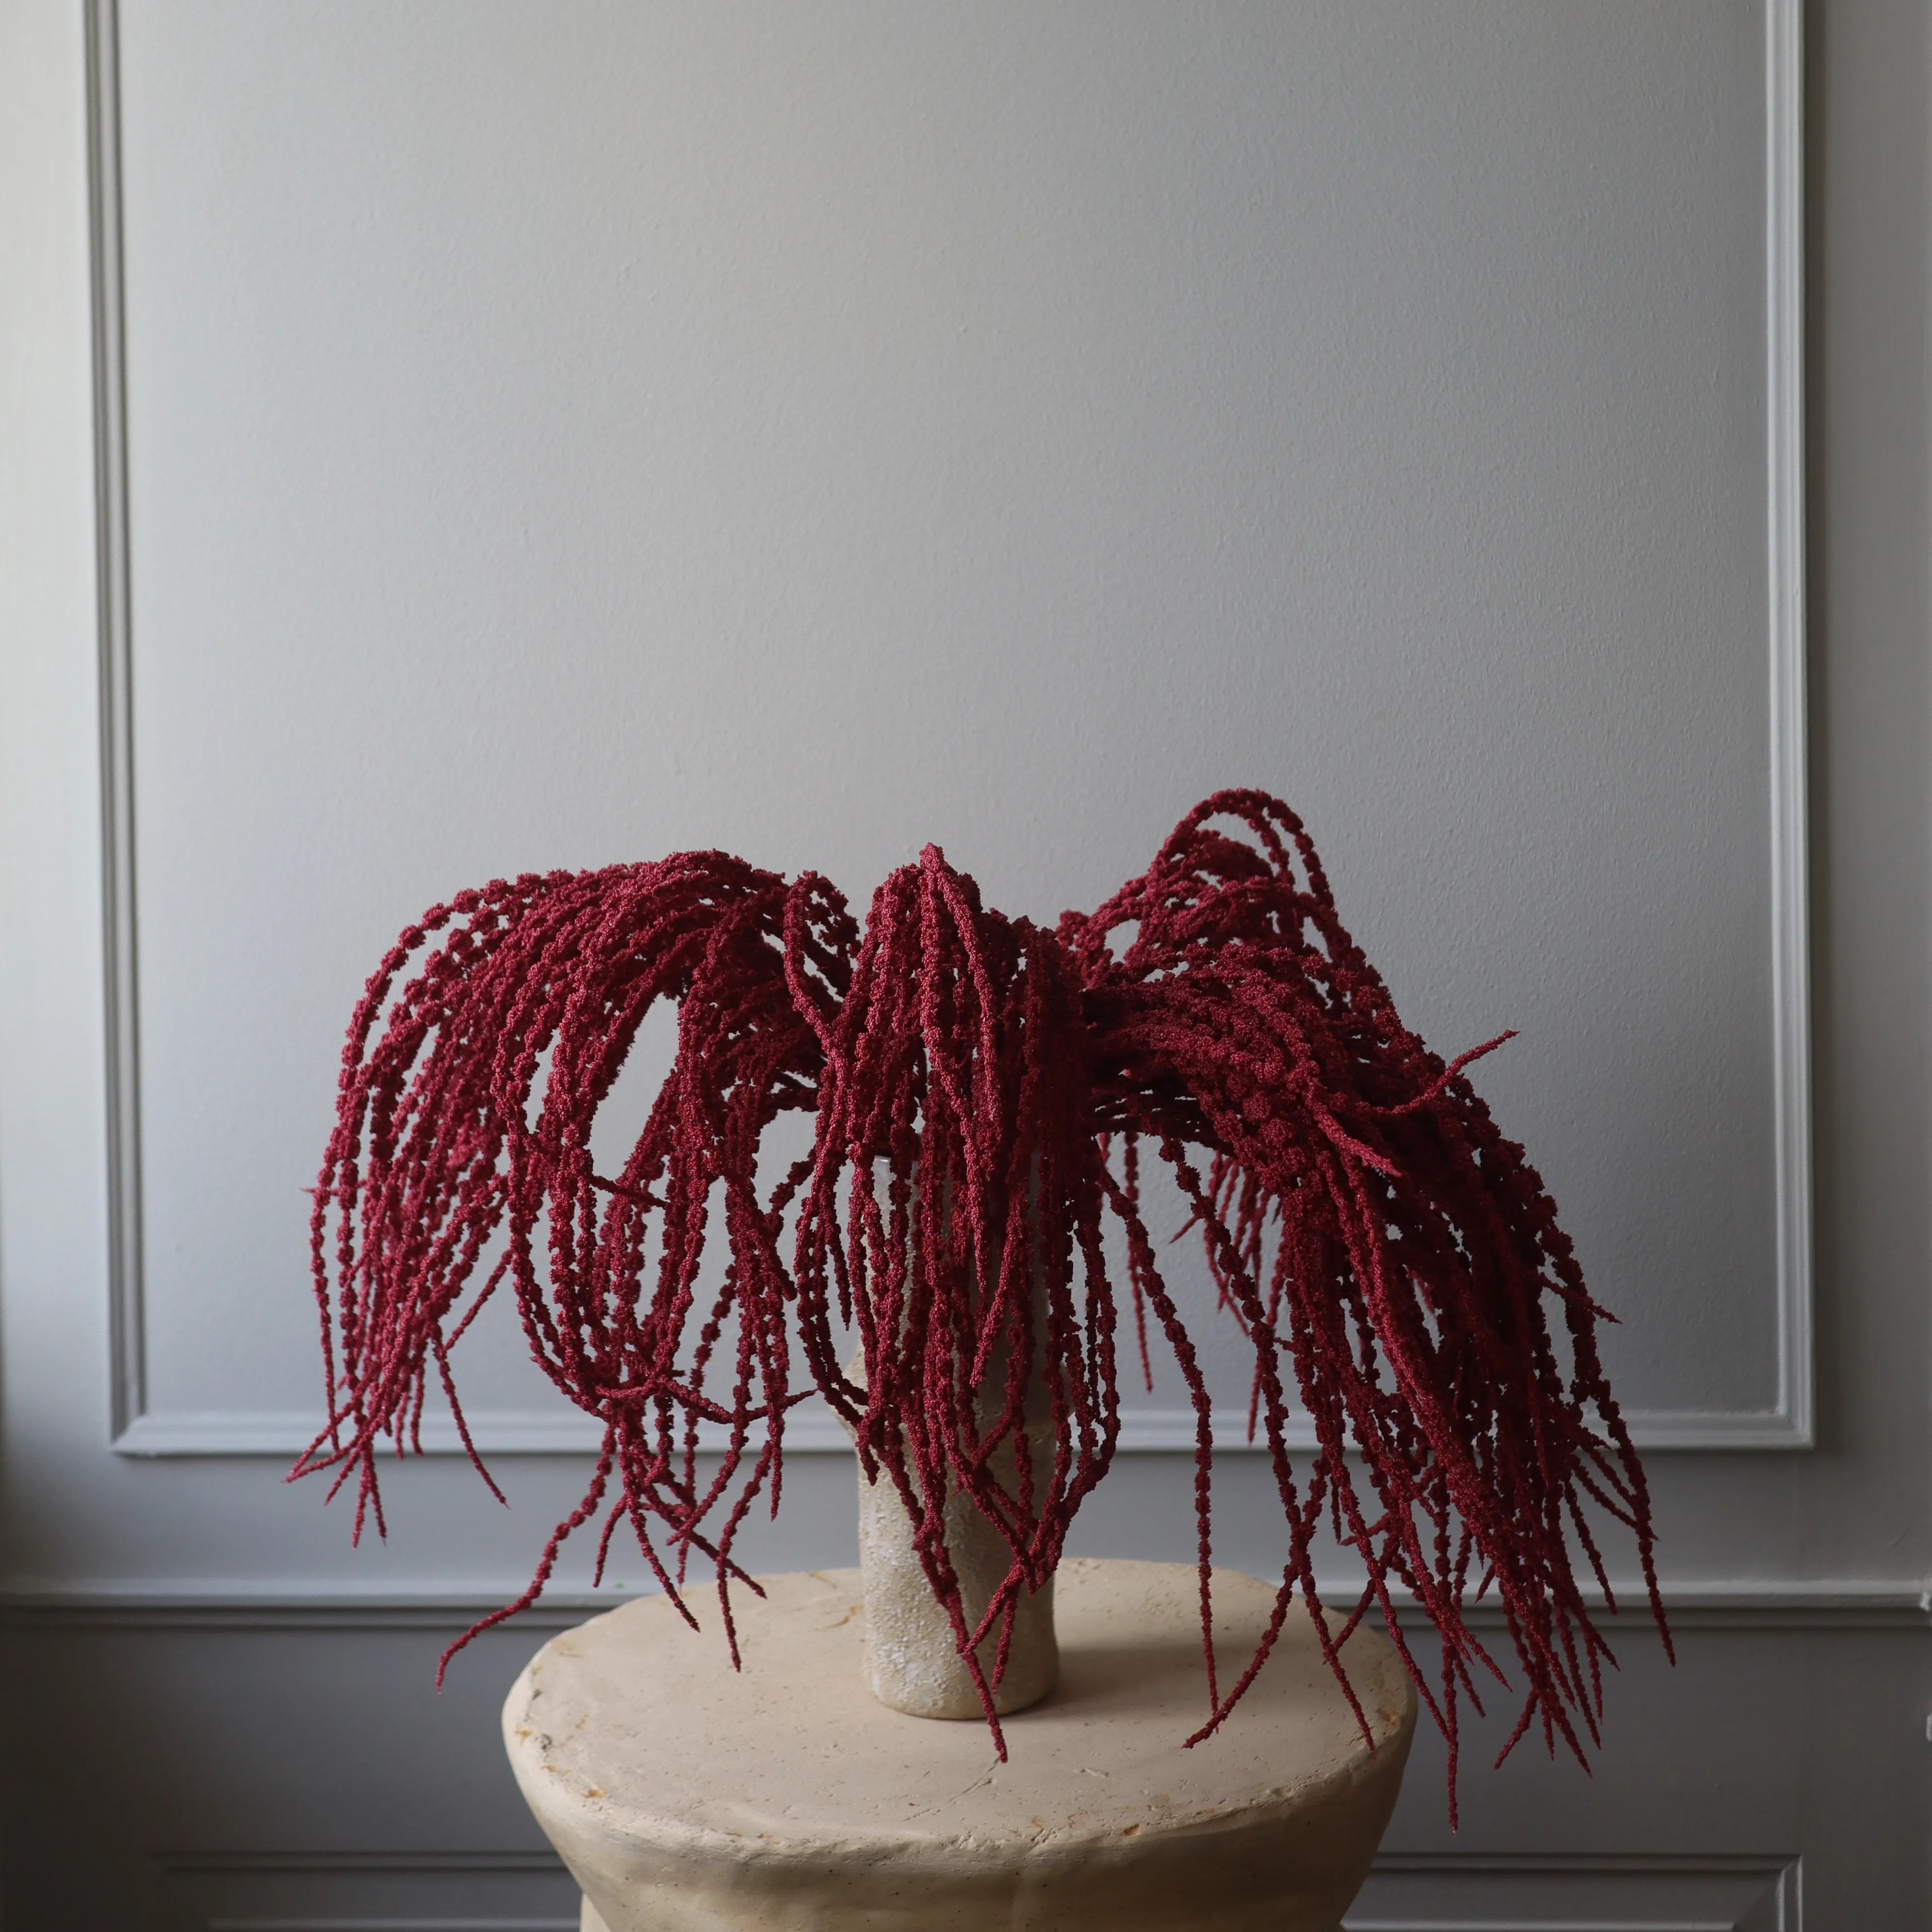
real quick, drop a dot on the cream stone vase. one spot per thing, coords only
(911, 1657)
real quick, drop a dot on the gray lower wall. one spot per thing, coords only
(277, 1767)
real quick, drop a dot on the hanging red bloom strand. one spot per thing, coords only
(981, 1090)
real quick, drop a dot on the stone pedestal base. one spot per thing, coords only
(686, 1798)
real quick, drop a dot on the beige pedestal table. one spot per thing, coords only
(686, 1798)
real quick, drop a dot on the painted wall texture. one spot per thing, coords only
(550, 435)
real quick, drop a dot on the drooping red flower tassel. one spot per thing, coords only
(982, 1091)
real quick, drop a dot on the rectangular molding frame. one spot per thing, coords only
(138, 1431)
(1775, 1881)
(383, 1892)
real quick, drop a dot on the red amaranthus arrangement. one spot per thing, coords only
(983, 1092)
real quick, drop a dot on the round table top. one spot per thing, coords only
(675, 1785)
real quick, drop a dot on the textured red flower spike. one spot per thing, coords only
(981, 1090)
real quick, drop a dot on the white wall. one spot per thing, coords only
(565, 434)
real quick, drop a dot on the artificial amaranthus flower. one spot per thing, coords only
(983, 1093)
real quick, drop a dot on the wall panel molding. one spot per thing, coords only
(374, 1891)
(1835, 1604)
(1788, 1424)
(1473, 1891)
(1790, 844)
(565, 1431)
(127, 1343)
(1488, 1892)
